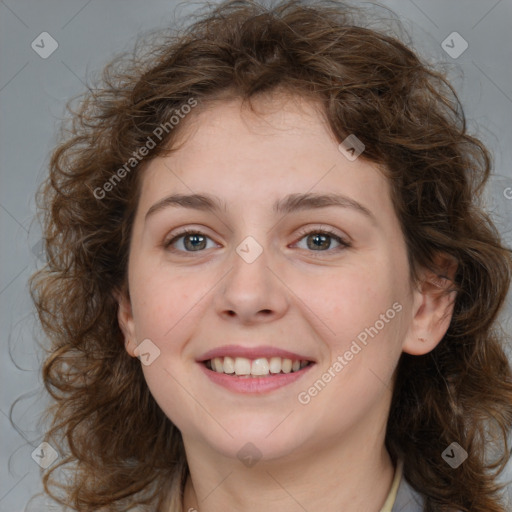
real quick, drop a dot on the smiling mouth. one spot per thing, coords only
(260, 367)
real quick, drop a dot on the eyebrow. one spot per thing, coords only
(288, 204)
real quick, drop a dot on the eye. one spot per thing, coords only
(196, 241)
(319, 240)
(193, 241)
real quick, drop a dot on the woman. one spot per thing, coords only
(269, 281)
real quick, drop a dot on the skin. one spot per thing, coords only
(329, 454)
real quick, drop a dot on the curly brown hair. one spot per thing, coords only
(120, 447)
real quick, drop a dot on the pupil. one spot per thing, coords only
(319, 238)
(195, 240)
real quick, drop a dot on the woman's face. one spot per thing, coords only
(262, 282)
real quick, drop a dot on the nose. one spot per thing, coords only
(252, 292)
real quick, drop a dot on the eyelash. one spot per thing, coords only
(344, 244)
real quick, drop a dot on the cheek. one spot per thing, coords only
(160, 300)
(345, 301)
(167, 386)
(363, 309)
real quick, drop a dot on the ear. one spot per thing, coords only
(433, 307)
(125, 320)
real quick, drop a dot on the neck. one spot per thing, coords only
(347, 476)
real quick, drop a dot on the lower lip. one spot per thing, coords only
(241, 384)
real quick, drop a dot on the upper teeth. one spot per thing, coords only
(257, 367)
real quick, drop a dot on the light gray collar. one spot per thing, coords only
(407, 499)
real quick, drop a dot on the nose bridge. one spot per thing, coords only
(254, 237)
(250, 265)
(251, 287)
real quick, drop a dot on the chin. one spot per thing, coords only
(262, 440)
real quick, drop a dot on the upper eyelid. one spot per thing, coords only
(304, 231)
(321, 228)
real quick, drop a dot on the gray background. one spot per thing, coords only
(33, 92)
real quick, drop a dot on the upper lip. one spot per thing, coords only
(251, 353)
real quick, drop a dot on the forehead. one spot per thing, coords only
(270, 119)
(283, 147)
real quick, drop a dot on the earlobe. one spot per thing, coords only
(435, 300)
(125, 320)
